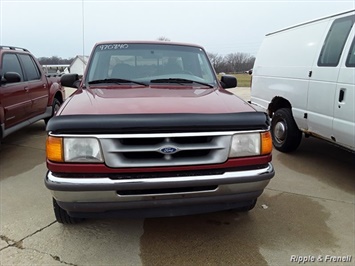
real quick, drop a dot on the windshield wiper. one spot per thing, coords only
(180, 81)
(116, 81)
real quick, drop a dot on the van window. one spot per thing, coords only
(335, 41)
(350, 60)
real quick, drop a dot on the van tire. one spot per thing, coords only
(286, 136)
(62, 216)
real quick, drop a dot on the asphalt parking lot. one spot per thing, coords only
(305, 216)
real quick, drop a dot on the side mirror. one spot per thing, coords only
(11, 77)
(228, 81)
(249, 72)
(70, 80)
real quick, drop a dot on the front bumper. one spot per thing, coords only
(171, 195)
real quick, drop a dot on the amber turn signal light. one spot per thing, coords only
(266, 143)
(54, 149)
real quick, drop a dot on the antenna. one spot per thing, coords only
(83, 29)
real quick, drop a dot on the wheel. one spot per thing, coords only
(286, 136)
(56, 105)
(62, 216)
(248, 207)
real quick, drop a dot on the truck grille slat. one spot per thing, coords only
(147, 148)
(158, 151)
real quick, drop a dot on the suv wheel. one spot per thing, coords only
(286, 136)
(56, 105)
(62, 216)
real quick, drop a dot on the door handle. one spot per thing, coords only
(27, 89)
(341, 95)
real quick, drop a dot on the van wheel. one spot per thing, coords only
(62, 216)
(56, 105)
(286, 136)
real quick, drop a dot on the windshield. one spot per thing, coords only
(144, 63)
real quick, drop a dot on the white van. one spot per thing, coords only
(304, 76)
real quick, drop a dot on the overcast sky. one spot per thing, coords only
(69, 28)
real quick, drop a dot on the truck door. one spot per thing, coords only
(324, 75)
(344, 111)
(36, 85)
(14, 97)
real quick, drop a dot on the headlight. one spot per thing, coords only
(74, 150)
(82, 150)
(250, 144)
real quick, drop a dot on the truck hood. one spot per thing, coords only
(156, 99)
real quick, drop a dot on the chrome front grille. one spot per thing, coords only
(153, 150)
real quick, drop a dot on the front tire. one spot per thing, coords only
(56, 105)
(286, 136)
(62, 216)
(247, 207)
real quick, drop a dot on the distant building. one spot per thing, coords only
(79, 64)
(55, 69)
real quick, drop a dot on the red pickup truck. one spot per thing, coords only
(151, 131)
(26, 93)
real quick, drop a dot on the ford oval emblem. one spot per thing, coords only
(168, 150)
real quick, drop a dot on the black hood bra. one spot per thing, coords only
(157, 123)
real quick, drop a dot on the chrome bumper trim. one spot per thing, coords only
(57, 183)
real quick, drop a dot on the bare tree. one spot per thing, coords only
(238, 62)
(250, 63)
(54, 60)
(231, 61)
(217, 62)
(163, 38)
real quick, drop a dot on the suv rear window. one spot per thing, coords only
(31, 69)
